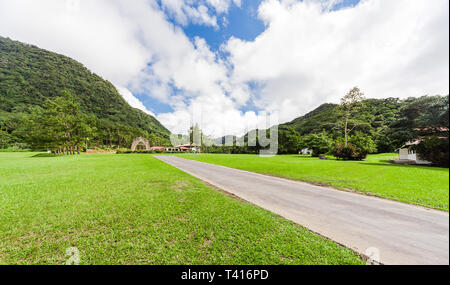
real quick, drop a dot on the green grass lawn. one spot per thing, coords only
(421, 185)
(134, 209)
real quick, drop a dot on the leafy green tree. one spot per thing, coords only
(364, 143)
(350, 104)
(357, 148)
(29, 76)
(288, 140)
(318, 143)
(59, 126)
(5, 139)
(421, 117)
(425, 118)
(435, 150)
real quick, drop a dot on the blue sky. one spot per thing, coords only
(239, 22)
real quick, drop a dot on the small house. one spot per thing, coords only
(407, 154)
(306, 151)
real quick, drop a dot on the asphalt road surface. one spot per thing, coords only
(388, 231)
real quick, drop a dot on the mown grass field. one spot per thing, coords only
(421, 185)
(134, 209)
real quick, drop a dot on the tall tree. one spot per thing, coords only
(59, 126)
(350, 104)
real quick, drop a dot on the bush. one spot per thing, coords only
(123, 150)
(14, 149)
(358, 147)
(434, 150)
(349, 152)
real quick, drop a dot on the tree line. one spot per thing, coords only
(359, 126)
(59, 125)
(30, 76)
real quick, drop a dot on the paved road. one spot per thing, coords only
(403, 234)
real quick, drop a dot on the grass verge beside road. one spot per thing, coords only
(134, 209)
(420, 185)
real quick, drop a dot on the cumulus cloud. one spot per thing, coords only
(198, 12)
(133, 45)
(309, 54)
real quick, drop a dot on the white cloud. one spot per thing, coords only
(133, 45)
(310, 55)
(92, 32)
(184, 13)
(198, 12)
(133, 101)
(307, 56)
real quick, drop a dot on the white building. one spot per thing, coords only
(306, 151)
(407, 154)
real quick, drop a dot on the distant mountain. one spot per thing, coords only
(377, 118)
(377, 113)
(29, 75)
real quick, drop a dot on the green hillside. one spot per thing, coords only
(30, 75)
(378, 118)
(381, 125)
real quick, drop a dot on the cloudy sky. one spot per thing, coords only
(225, 61)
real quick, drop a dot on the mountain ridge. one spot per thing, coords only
(29, 75)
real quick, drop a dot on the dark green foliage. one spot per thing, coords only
(422, 117)
(435, 150)
(364, 143)
(389, 122)
(426, 118)
(59, 126)
(322, 118)
(29, 76)
(5, 139)
(379, 125)
(348, 152)
(288, 140)
(318, 143)
(358, 147)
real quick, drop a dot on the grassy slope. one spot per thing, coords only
(134, 209)
(421, 185)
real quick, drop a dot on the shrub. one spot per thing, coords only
(17, 147)
(123, 150)
(357, 149)
(348, 152)
(434, 150)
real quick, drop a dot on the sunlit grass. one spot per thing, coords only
(134, 209)
(421, 185)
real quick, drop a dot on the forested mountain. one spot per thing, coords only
(29, 76)
(379, 125)
(377, 118)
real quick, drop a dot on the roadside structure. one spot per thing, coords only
(180, 148)
(306, 151)
(407, 154)
(140, 141)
